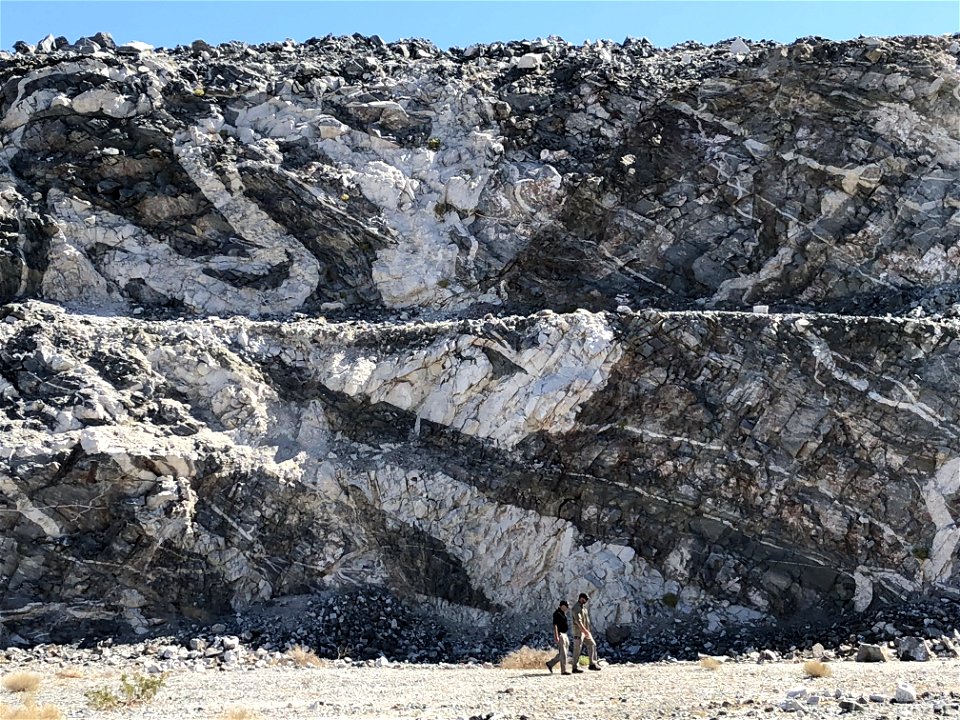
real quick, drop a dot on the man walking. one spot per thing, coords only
(583, 634)
(560, 638)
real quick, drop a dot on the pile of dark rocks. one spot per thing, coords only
(371, 626)
(361, 624)
(935, 623)
(368, 623)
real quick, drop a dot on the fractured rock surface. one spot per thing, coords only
(476, 326)
(239, 180)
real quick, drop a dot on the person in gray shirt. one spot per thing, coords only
(583, 634)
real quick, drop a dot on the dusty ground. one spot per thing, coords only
(438, 692)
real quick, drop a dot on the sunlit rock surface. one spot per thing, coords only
(486, 327)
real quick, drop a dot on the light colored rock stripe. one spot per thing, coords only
(943, 553)
(269, 245)
(452, 382)
(521, 560)
(26, 508)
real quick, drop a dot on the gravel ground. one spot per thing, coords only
(485, 692)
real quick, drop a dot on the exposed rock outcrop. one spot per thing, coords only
(478, 326)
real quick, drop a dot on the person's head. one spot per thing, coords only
(583, 598)
(564, 605)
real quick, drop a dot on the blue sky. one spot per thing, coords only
(174, 22)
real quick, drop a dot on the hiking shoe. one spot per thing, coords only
(594, 667)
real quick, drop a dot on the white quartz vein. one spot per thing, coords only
(943, 553)
(26, 508)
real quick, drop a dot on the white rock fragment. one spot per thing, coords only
(329, 127)
(103, 101)
(382, 184)
(529, 61)
(756, 148)
(792, 706)
(905, 693)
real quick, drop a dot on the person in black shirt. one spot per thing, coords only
(560, 638)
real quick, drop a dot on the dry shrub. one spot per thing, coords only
(21, 682)
(239, 714)
(710, 663)
(30, 711)
(134, 690)
(70, 671)
(817, 668)
(526, 658)
(304, 657)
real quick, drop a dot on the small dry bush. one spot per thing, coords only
(21, 682)
(30, 711)
(134, 690)
(526, 658)
(817, 668)
(304, 657)
(239, 714)
(710, 663)
(70, 672)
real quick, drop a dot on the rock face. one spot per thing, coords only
(478, 327)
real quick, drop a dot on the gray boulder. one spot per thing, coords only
(617, 634)
(104, 40)
(913, 649)
(86, 46)
(906, 693)
(872, 653)
(47, 45)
